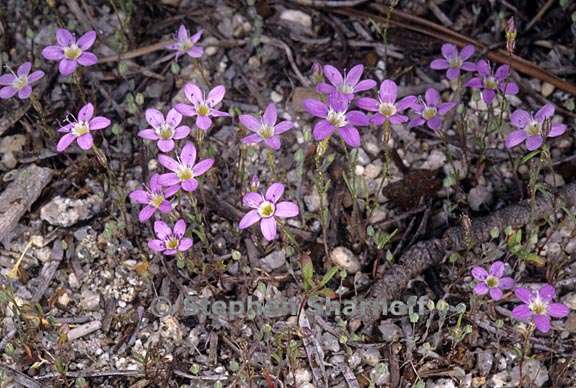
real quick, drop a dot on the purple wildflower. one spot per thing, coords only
(186, 44)
(335, 117)
(347, 85)
(490, 82)
(492, 282)
(71, 52)
(431, 110)
(531, 128)
(266, 208)
(80, 129)
(266, 128)
(202, 107)
(170, 241)
(184, 170)
(386, 106)
(165, 131)
(454, 61)
(20, 83)
(538, 307)
(154, 197)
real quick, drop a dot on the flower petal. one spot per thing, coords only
(190, 185)
(497, 269)
(99, 122)
(252, 200)
(333, 75)
(356, 117)
(545, 112)
(547, 292)
(270, 115)
(201, 167)
(502, 72)
(169, 179)
(367, 103)
(85, 141)
(249, 219)
(481, 289)
(483, 67)
(216, 95)
(173, 118)
(557, 129)
(388, 91)
(496, 293)
(179, 228)
(193, 93)
(148, 134)
(146, 213)
(522, 312)
(24, 69)
(87, 59)
(195, 52)
(322, 130)
(268, 228)
(154, 117)
(250, 122)
(353, 76)
(542, 323)
(286, 209)
(432, 97)
(156, 245)
(166, 145)
(520, 118)
(534, 142)
(87, 40)
(274, 192)
(64, 37)
(506, 283)
(182, 33)
(185, 244)
(53, 53)
(350, 135)
(467, 52)
(181, 132)
(449, 50)
(474, 83)
(169, 163)
(25, 92)
(315, 108)
(516, 137)
(524, 294)
(65, 142)
(406, 102)
(439, 64)
(186, 110)
(558, 310)
(139, 196)
(35, 76)
(252, 139)
(162, 230)
(66, 66)
(188, 154)
(282, 127)
(479, 273)
(203, 122)
(273, 142)
(453, 73)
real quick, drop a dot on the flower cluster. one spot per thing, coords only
(537, 307)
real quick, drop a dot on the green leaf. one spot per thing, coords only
(328, 276)
(307, 271)
(529, 156)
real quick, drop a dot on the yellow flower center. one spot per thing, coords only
(172, 243)
(266, 209)
(157, 200)
(203, 110)
(185, 173)
(534, 128)
(186, 45)
(387, 109)
(337, 119)
(490, 83)
(346, 89)
(492, 281)
(165, 132)
(20, 82)
(266, 131)
(80, 128)
(429, 112)
(538, 306)
(72, 52)
(455, 62)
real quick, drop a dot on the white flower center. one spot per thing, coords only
(72, 52)
(337, 119)
(165, 132)
(186, 45)
(266, 209)
(387, 109)
(20, 82)
(490, 83)
(156, 200)
(346, 89)
(538, 306)
(455, 62)
(80, 128)
(492, 281)
(203, 110)
(185, 173)
(266, 131)
(534, 128)
(429, 112)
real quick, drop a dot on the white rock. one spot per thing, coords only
(344, 258)
(435, 160)
(390, 331)
(275, 96)
(370, 356)
(441, 383)
(372, 170)
(547, 89)
(534, 373)
(90, 300)
(554, 180)
(295, 16)
(479, 196)
(330, 342)
(484, 362)
(66, 212)
(302, 376)
(274, 260)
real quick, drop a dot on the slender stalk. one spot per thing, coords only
(78, 83)
(321, 184)
(49, 131)
(271, 160)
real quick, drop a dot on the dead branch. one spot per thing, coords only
(430, 252)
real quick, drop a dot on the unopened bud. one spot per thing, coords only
(254, 183)
(511, 33)
(317, 74)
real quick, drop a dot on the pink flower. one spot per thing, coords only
(530, 128)
(335, 117)
(186, 44)
(347, 85)
(154, 197)
(490, 83)
(202, 108)
(184, 170)
(81, 128)
(431, 110)
(492, 282)
(454, 61)
(20, 83)
(165, 131)
(170, 241)
(266, 209)
(71, 52)
(265, 128)
(538, 307)
(386, 106)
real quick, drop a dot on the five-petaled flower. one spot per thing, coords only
(531, 128)
(539, 307)
(431, 110)
(202, 108)
(71, 52)
(155, 197)
(336, 117)
(347, 85)
(454, 61)
(165, 131)
(184, 170)
(266, 208)
(79, 130)
(170, 241)
(386, 107)
(20, 83)
(265, 128)
(186, 44)
(489, 83)
(492, 282)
